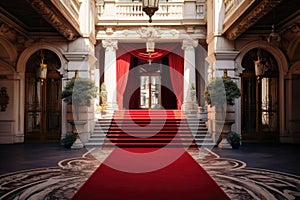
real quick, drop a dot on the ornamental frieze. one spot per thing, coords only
(58, 22)
(15, 37)
(243, 23)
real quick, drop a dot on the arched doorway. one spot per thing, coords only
(149, 85)
(260, 98)
(43, 100)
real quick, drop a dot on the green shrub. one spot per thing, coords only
(220, 91)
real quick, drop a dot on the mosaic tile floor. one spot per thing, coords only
(233, 176)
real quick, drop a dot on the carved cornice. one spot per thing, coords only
(55, 19)
(226, 55)
(250, 18)
(76, 56)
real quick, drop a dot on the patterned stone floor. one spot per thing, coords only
(233, 176)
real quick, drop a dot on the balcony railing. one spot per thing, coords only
(124, 11)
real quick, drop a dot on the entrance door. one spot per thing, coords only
(260, 100)
(43, 105)
(150, 92)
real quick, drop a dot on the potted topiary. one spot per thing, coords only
(79, 92)
(221, 93)
(68, 140)
(234, 139)
(221, 90)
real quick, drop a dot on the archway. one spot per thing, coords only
(150, 81)
(149, 85)
(42, 100)
(260, 97)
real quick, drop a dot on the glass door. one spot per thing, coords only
(43, 110)
(260, 99)
(42, 102)
(150, 92)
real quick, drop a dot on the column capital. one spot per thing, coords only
(110, 44)
(189, 44)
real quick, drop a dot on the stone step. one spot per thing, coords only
(135, 128)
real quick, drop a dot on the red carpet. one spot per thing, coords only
(149, 128)
(146, 165)
(183, 179)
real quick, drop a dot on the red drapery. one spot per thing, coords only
(139, 50)
(176, 73)
(123, 64)
(176, 63)
(159, 53)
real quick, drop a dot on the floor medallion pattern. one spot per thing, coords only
(233, 176)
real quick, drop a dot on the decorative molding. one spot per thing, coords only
(110, 44)
(226, 55)
(56, 20)
(149, 33)
(295, 68)
(16, 38)
(189, 44)
(241, 24)
(238, 69)
(76, 56)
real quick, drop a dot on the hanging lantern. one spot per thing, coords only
(259, 65)
(259, 68)
(150, 7)
(43, 70)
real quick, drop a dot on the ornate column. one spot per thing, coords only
(188, 46)
(110, 73)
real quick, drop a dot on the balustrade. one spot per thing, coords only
(134, 11)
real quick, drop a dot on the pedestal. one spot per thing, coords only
(224, 144)
(79, 124)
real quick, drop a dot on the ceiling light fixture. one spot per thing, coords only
(273, 35)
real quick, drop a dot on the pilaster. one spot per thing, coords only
(83, 62)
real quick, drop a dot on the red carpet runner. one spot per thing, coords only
(150, 173)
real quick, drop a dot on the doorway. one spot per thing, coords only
(150, 92)
(149, 86)
(42, 100)
(260, 102)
